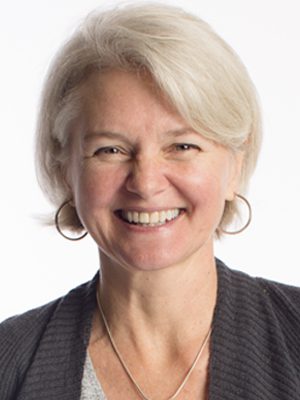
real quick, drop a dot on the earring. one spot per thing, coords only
(56, 219)
(248, 221)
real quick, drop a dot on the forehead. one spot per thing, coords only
(131, 104)
(118, 94)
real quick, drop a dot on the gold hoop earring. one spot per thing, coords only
(56, 219)
(248, 221)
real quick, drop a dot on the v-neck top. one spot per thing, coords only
(255, 346)
(91, 388)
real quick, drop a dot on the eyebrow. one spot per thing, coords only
(122, 136)
(105, 134)
(180, 132)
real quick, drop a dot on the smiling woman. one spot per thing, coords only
(148, 133)
(158, 164)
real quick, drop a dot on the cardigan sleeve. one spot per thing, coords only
(19, 337)
(42, 351)
(9, 375)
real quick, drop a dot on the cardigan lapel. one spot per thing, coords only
(57, 365)
(249, 354)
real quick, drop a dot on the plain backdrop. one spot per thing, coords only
(36, 264)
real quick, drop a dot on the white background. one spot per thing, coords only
(36, 264)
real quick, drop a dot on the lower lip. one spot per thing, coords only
(150, 229)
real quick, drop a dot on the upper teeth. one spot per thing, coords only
(156, 217)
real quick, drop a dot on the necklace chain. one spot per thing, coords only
(138, 388)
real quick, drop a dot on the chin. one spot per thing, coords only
(146, 263)
(142, 261)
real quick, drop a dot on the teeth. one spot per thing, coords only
(150, 219)
(169, 215)
(130, 216)
(162, 217)
(135, 217)
(144, 218)
(154, 217)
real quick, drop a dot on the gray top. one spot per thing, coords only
(90, 386)
(254, 349)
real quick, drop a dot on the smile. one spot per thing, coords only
(155, 218)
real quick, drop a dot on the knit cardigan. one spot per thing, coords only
(254, 354)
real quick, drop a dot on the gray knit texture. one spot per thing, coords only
(255, 343)
(90, 386)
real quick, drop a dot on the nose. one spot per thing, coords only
(146, 178)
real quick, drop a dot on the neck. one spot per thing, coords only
(172, 305)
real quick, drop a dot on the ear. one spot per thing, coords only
(237, 160)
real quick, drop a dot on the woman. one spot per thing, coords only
(149, 131)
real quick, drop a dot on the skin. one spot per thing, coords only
(131, 150)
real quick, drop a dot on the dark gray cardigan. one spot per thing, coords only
(255, 347)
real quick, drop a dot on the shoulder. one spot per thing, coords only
(29, 325)
(22, 335)
(23, 325)
(283, 300)
(257, 328)
(261, 305)
(278, 299)
(263, 292)
(19, 336)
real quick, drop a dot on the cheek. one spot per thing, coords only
(207, 188)
(96, 189)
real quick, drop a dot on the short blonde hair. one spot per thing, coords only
(200, 74)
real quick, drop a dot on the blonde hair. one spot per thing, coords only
(200, 74)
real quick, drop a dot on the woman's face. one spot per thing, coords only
(149, 189)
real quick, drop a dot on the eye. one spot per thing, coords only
(113, 154)
(183, 151)
(108, 150)
(185, 147)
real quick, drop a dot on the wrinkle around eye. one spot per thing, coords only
(111, 153)
(108, 150)
(183, 147)
(183, 151)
